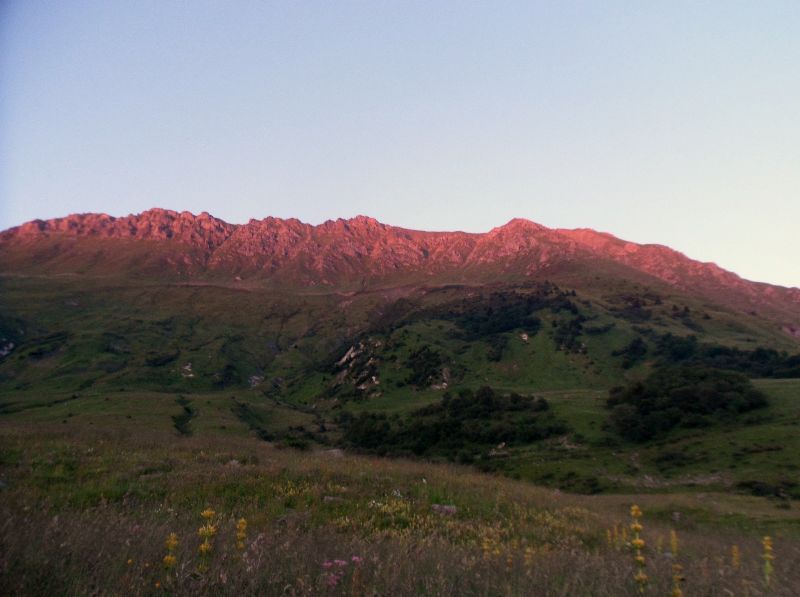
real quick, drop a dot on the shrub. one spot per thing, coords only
(457, 426)
(425, 364)
(632, 353)
(680, 397)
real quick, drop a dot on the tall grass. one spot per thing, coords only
(98, 513)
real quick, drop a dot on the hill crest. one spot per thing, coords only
(359, 251)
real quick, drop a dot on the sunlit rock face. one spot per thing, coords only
(357, 252)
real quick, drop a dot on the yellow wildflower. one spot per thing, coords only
(241, 533)
(767, 556)
(638, 544)
(677, 577)
(736, 558)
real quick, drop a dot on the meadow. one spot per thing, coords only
(129, 410)
(88, 507)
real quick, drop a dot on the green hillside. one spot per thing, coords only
(456, 423)
(297, 368)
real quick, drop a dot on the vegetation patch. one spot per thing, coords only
(632, 353)
(425, 364)
(680, 397)
(161, 359)
(182, 420)
(464, 427)
(759, 362)
(245, 413)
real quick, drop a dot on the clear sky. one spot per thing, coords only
(670, 122)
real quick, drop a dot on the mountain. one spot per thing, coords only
(123, 301)
(363, 253)
(499, 348)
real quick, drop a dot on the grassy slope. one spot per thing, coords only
(124, 348)
(109, 459)
(766, 449)
(87, 505)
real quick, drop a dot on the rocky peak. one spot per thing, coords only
(519, 225)
(154, 224)
(346, 251)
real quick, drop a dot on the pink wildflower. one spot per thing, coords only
(332, 580)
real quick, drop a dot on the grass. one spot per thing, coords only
(80, 503)
(109, 441)
(760, 455)
(724, 457)
(77, 332)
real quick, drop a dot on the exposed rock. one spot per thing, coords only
(6, 347)
(352, 352)
(359, 252)
(358, 368)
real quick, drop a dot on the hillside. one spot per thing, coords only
(303, 329)
(358, 390)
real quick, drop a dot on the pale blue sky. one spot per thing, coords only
(670, 122)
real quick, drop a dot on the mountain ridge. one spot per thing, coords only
(357, 251)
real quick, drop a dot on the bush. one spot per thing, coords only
(456, 427)
(632, 353)
(760, 362)
(501, 312)
(680, 397)
(425, 364)
(497, 344)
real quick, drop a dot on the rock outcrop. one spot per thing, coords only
(351, 253)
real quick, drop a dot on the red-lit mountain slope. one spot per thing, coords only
(362, 253)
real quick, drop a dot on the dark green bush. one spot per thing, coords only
(456, 427)
(760, 362)
(632, 352)
(680, 397)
